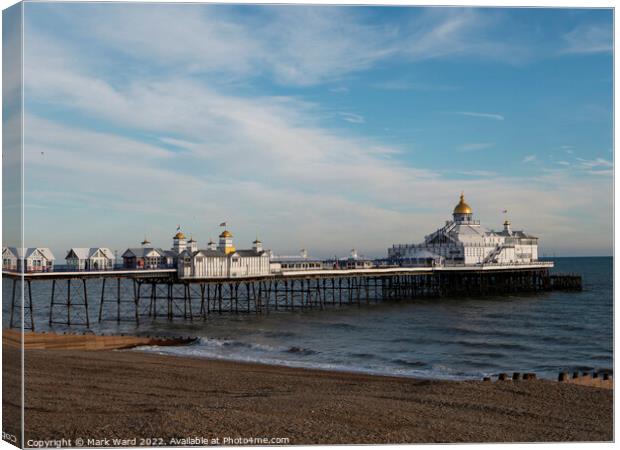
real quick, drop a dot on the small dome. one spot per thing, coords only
(226, 234)
(145, 241)
(462, 207)
(179, 235)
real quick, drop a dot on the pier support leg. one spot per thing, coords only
(118, 299)
(254, 297)
(137, 299)
(29, 307)
(69, 302)
(85, 302)
(11, 323)
(100, 303)
(52, 302)
(202, 301)
(219, 297)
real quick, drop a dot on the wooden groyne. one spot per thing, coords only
(52, 341)
(600, 379)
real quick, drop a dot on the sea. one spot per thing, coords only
(448, 338)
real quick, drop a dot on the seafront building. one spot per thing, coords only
(94, 258)
(462, 241)
(34, 259)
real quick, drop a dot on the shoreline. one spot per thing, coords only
(294, 365)
(135, 343)
(127, 394)
(582, 380)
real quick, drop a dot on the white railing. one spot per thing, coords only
(502, 264)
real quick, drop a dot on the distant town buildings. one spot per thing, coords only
(463, 241)
(35, 259)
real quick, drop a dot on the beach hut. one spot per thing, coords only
(33, 259)
(9, 258)
(94, 258)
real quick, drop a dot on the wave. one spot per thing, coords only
(301, 351)
(278, 334)
(409, 363)
(342, 326)
(601, 358)
(362, 355)
(229, 343)
(196, 352)
(487, 332)
(571, 327)
(495, 345)
(493, 355)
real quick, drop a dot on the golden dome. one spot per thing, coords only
(179, 235)
(226, 234)
(462, 207)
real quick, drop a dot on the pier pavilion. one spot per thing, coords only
(463, 241)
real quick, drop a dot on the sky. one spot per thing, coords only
(318, 127)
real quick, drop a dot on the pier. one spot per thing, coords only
(139, 295)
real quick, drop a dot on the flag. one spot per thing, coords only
(223, 224)
(178, 227)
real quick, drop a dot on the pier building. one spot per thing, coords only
(463, 241)
(145, 257)
(94, 258)
(224, 261)
(34, 259)
(149, 257)
(353, 261)
(302, 261)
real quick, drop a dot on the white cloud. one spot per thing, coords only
(597, 166)
(352, 117)
(594, 163)
(529, 159)
(294, 45)
(261, 163)
(480, 114)
(406, 85)
(589, 38)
